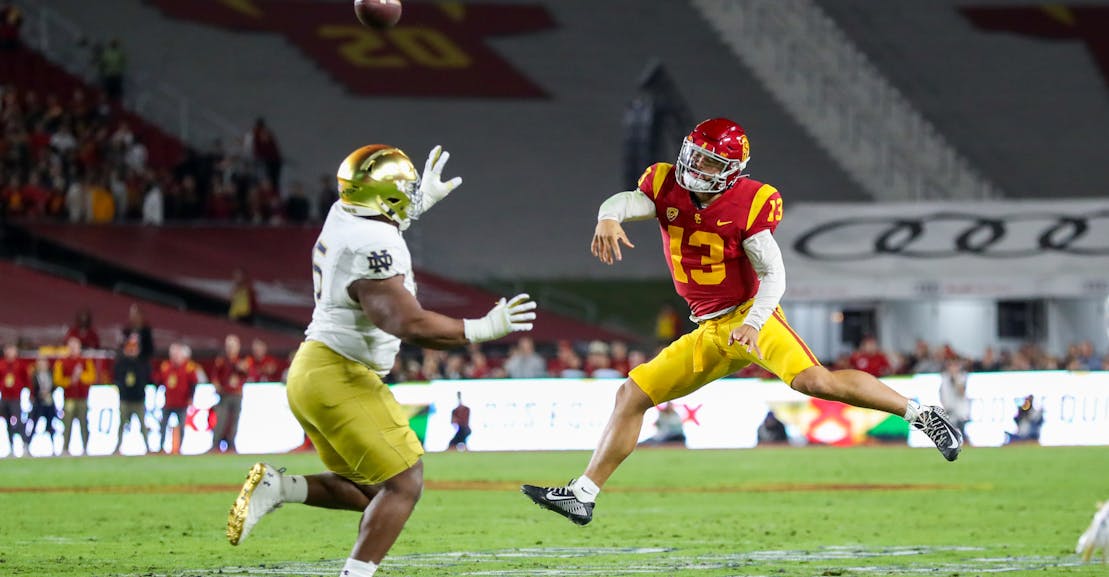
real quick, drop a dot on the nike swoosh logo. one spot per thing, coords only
(954, 440)
(723, 222)
(552, 496)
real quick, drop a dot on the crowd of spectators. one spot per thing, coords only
(75, 158)
(926, 358)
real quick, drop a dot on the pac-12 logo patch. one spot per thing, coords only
(380, 260)
(671, 213)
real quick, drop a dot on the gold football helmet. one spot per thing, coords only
(379, 180)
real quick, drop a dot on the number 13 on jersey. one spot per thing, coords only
(714, 259)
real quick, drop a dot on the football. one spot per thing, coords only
(377, 13)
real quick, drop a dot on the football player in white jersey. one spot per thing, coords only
(365, 306)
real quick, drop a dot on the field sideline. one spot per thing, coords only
(782, 512)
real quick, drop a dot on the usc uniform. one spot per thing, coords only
(711, 271)
(334, 386)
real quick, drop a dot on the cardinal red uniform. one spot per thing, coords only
(704, 250)
(14, 377)
(179, 382)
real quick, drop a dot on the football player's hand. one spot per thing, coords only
(505, 317)
(432, 187)
(747, 337)
(606, 241)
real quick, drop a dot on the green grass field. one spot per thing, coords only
(774, 512)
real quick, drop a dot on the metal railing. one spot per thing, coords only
(65, 44)
(822, 79)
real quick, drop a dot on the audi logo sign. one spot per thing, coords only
(941, 235)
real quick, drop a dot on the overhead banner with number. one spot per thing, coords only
(437, 49)
(910, 250)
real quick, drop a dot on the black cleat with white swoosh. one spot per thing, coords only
(934, 422)
(561, 500)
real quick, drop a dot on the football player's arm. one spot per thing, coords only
(766, 257)
(621, 207)
(389, 305)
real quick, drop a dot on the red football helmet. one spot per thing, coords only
(712, 156)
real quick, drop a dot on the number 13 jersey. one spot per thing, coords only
(703, 246)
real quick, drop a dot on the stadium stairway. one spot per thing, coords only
(1019, 88)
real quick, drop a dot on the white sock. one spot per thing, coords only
(356, 568)
(912, 411)
(294, 489)
(585, 489)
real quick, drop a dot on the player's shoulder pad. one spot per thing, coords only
(762, 195)
(381, 257)
(650, 183)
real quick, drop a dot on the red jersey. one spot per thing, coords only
(703, 246)
(263, 370)
(88, 337)
(874, 363)
(14, 377)
(179, 381)
(229, 375)
(75, 375)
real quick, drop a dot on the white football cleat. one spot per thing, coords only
(261, 494)
(1096, 536)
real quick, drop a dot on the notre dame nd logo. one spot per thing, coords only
(380, 260)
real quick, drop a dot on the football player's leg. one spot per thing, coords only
(621, 433)
(790, 358)
(388, 511)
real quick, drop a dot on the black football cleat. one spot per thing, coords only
(561, 500)
(934, 422)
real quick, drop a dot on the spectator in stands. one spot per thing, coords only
(75, 374)
(178, 378)
(261, 145)
(460, 418)
(14, 377)
(478, 365)
(870, 359)
(668, 324)
(989, 362)
(432, 366)
(618, 357)
(931, 363)
(953, 393)
(111, 65)
(1084, 358)
(326, 195)
(262, 366)
(83, 330)
(243, 301)
(297, 208)
(524, 363)
(636, 357)
(920, 353)
(598, 365)
(229, 373)
(11, 21)
(132, 374)
(568, 364)
(42, 401)
(454, 367)
(153, 204)
(136, 324)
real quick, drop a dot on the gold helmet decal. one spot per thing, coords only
(378, 180)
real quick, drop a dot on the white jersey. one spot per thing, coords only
(351, 248)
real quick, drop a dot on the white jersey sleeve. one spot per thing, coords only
(350, 248)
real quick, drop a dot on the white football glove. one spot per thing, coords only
(506, 317)
(432, 188)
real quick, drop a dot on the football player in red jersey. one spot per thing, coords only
(717, 229)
